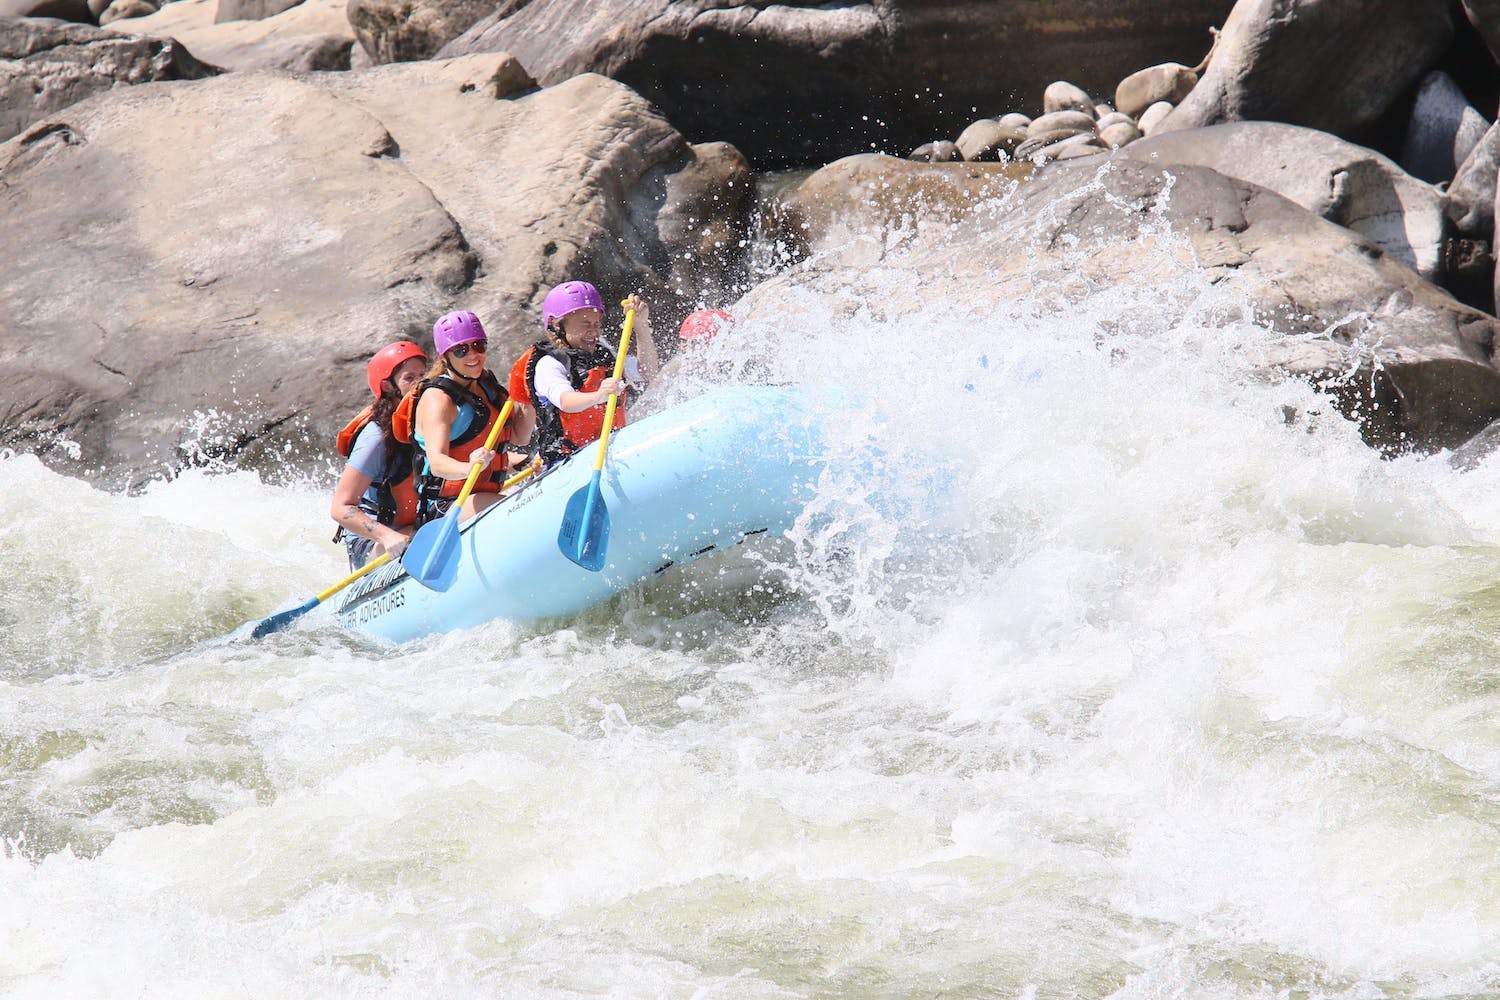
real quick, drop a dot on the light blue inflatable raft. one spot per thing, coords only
(679, 485)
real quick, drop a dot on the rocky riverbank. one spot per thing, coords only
(213, 212)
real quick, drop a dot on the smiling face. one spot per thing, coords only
(467, 360)
(581, 329)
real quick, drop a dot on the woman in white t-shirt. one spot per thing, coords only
(568, 378)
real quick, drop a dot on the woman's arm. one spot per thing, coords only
(345, 510)
(552, 383)
(522, 424)
(645, 343)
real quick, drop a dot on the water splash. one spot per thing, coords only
(1106, 662)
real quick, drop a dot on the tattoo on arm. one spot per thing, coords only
(351, 518)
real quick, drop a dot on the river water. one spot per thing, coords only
(1102, 665)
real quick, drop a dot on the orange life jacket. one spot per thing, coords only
(396, 495)
(560, 434)
(478, 413)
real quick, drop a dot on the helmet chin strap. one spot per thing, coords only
(559, 336)
(454, 373)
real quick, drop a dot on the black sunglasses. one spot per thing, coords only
(479, 346)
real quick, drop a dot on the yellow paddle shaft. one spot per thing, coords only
(614, 397)
(489, 445)
(375, 563)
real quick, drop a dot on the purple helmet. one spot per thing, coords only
(569, 297)
(455, 328)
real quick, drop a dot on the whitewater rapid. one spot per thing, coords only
(1111, 666)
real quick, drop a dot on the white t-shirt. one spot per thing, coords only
(552, 377)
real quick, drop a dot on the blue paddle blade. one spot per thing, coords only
(281, 619)
(584, 535)
(432, 556)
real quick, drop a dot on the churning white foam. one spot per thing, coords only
(1104, 662)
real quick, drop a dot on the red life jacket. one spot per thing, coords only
(396, 497)
(561, 433)
(482, 409)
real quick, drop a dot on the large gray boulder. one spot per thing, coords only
(1169, 82)
(300, 54)
(987, 139)
(1442, 131)
(46, 65)
(1340, 181)
(235, 249)
(1408, 361)
(1334, 65)
(803, 82)
(862, 207)
(311, 35)
(1471, 196)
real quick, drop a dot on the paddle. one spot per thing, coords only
(584, 535)
(281, 619)
(432, 557)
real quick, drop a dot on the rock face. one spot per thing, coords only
(1334, 65)
(1471, 196)
(801, 83)
(1344, 183)
(62, 10)
(251, 10)
(239, 247)
(302, 54)
(311, 35)
(700, 217)
(46, 65)
(1406, 359)
(404, 30)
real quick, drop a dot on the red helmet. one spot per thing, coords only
(702, 324)
(388, 359)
